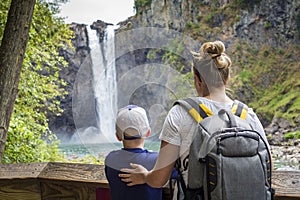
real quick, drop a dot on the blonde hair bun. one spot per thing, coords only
(216, 51)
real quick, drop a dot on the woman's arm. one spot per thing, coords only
(161, 172)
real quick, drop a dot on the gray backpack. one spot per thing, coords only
(228, 160)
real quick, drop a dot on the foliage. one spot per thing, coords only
(4, 7)
(269, 79)
(171, 56)
(89, 159)
(292, 135)
(246, 4)
(188, 25)
(29, 138)
(207, 25)
(209, 19)
(267, 25)
(139, 5)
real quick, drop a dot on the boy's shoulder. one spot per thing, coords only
(122, 157)
(120, 152)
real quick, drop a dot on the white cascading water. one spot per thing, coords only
(105, 88)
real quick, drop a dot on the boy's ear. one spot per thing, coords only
(148, 133)
(118, 137)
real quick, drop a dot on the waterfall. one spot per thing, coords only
(104, 78)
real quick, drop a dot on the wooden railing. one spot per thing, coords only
(51, 181)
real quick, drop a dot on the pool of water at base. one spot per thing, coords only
(98, 150)
(74, 151)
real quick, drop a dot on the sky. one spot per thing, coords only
(88, 11)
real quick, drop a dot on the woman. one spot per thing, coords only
(211, 75)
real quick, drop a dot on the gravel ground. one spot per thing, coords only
(286, 157)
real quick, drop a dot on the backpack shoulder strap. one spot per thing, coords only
(196, 109)
(199, 111)
(240, 109)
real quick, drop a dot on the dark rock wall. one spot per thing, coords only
(64, 126)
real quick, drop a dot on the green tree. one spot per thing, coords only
(29, 138)
(12, 51)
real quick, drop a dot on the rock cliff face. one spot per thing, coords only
(64, 126)
(272, 22)
(173, 14)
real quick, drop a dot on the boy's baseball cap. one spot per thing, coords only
(133, 120)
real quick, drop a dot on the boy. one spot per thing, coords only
(132, 127)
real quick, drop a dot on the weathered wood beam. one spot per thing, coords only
(80, 181)
(286, 184)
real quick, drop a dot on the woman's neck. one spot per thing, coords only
(219, 95)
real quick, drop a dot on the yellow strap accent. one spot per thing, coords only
(212, 183)
(234, 108)
(211, 173)
(195, 115)
(211, 165)
(206, 110)
(244, 114)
